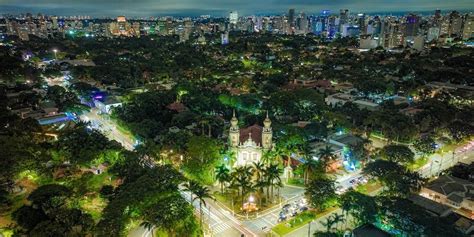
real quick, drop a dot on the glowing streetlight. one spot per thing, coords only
(55, 54)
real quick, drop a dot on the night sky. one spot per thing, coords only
(220, 7)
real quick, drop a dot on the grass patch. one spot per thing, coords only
(299, 220)
(418, 163)
(6, 232)
(93, 206)
(369, 187)
(296, 182)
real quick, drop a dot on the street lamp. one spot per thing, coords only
(251, 199)
(55, 54)
(309, 228)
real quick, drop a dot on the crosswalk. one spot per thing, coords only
(219, 227)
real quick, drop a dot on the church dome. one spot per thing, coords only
(234, 121)
(267, 122)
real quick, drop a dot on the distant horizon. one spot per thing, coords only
(225, 14)
(193, 8)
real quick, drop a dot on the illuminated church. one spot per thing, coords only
(249, 143)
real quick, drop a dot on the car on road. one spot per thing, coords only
(340, 190)
(304, 208)
(362, 180)
(281, 218)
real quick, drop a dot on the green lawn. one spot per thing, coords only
(420, 162)
(369, 187)
(298, 221)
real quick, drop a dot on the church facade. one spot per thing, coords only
(250, 143)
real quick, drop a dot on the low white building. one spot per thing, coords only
(107, 105)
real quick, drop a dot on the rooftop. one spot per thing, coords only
(454, 188)
(430, 205)
(255, 131)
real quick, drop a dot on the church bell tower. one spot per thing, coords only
(234, 133)
(267, 133)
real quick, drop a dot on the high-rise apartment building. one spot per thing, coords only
(468, 28)
(412, 25)
(291, 17)
(233, 17)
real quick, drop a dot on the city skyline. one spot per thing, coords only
(146, 8)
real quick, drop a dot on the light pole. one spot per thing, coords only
(55, 54)
(309, 228)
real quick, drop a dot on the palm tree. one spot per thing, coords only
(258, 169)
(325, 155)
(310, 166)
(201, 193)
(241, 177)
(259, 186)
(337, 219)
(191, 187)
(222, 175)
(329, 223)
(260, 183)
(149, 226)
(272, 173)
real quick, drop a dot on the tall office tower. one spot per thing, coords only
(455, 24)
(266, 24)
(10, 26)
(233, 17)
(23, 33)
(302, 23)
(343, 18)
(54, 19)
(279, 24)
(412, 25)
(377, 26)
(249, 25)
(325, 19)
(361, 23)
(225, 38)
(317, 26)
(391, 35)
(29, 17)
(444, 26)
(331, 28)
(291, 17)
(433, 33)
(437, 18)
(468, 28)
(106, 30)
(160, 27)
(136, 28)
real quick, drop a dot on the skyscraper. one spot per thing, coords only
(468, 30)
(233, 17)
(455, 23)
(54, 19)
(361, 23)
(343, 18)
(412, 25)
(291, 17)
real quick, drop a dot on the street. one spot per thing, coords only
(222, 223)
(436, 165)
